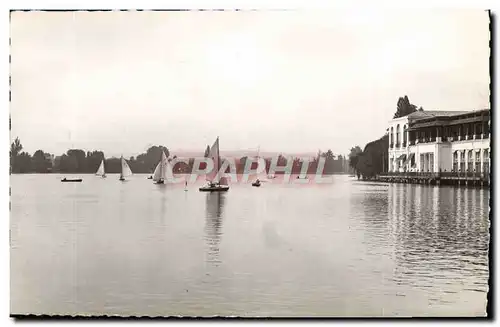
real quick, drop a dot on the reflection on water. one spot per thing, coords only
(441, 240)
(344, 249)
(213, 224)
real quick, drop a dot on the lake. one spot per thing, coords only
(349, 248)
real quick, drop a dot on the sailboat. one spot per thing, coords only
(215, 182)
(126, 171)
(100, 171)
(257, 182)
(160, 173)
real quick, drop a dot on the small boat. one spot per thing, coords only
(100, 170)
(126, 171)
(76, 180)
(214, 187)
(256, 183)
(215, 182)
(160, 173)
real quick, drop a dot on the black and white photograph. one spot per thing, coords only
(298, 163)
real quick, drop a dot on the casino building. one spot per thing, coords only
(440, 141)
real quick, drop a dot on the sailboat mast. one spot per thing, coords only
(161, 166)
(218, 159)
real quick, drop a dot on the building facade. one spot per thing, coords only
(440, 141)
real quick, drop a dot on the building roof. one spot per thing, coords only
(449, 118)
(434, 113)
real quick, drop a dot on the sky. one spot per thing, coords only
(291, 81)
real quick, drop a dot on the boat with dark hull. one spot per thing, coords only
(214, 187)
(215, 182)
(71, 180)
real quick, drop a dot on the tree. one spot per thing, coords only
(296, 165)
(404, 107)
(78, 156)
(371, 161)
(67, 164)
(15, 148)
(93, 160)
(329, 162)
(113, 165)
(40, 162)
(364, 166)
(340, 163)
(354, 156)
(23, 163)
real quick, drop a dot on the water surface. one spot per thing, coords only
(348, 248)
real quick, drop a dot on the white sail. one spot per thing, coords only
(214, 155)
(100, 171)
(156, 174)
(160, 172)
(126, 171)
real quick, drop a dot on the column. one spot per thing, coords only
(481, 169)
(436, 159)
(466, 160)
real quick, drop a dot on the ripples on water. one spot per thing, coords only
(347, 249)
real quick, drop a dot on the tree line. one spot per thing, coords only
(373, 159)
(86, 162)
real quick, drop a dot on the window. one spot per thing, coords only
(397, 135)
(455, 161)
(405, 131)
(486, 161)
(462, 161)
(477, 166)
(470, 161)
(392, 136)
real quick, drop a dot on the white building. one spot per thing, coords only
(434, 141)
